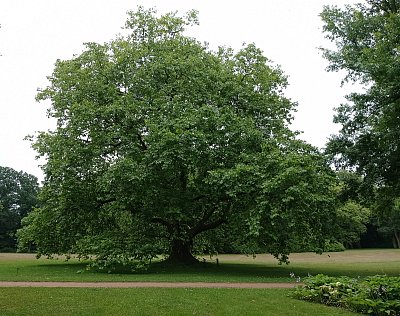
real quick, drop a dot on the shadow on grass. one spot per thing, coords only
(166, 272)
(271, 270)
(228, 269)
(203, 271)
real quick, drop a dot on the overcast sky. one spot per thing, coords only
(34, 34)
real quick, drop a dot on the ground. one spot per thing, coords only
(151, 284)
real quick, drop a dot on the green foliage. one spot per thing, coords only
(378, 295)
(352, 215)
(389, 217)
(159, 140)
(367, 37)
(324, 289)
(333, 246)
(352, 218)
(18, 196)
(327, 246)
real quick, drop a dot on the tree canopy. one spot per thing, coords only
(18, 196)
(160, 139)
(367, 38)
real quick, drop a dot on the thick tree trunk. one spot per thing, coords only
(180, 252)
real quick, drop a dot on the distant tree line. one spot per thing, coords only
(18, 197)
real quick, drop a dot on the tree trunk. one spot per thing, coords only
(180, 252)
(396, 239)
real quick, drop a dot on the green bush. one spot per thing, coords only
(377, 295)
(328, 246)
(333, 246)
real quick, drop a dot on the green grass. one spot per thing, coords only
(231, 268)
(83, 301)
(158, 301)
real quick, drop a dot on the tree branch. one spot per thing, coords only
(201, 228)
(202, 225)
(206, 216)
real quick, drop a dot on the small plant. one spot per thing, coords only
(293, 276)
(377, 295)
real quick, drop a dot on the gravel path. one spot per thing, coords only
(151, 285)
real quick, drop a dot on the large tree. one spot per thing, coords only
(18, 196)
(160, 139)
(367, 37)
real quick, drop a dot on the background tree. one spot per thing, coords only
(388, 217)
(367, 37)
(353, 213)
(18, 196)
(160, 139)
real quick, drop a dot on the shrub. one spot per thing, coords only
(334, 246)
(328, 246)
(377, 295)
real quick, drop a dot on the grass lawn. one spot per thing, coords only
(159, 301)
(81, 301)
(231, 268)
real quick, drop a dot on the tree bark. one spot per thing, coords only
(396, 239)
(180, 252)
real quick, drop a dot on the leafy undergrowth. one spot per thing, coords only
(376, 295)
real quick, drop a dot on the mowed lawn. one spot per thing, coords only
(146, 301)
(200, 301)
(231, 268)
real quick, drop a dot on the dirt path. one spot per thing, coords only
(151, 285)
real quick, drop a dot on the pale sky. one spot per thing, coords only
(34, 34)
